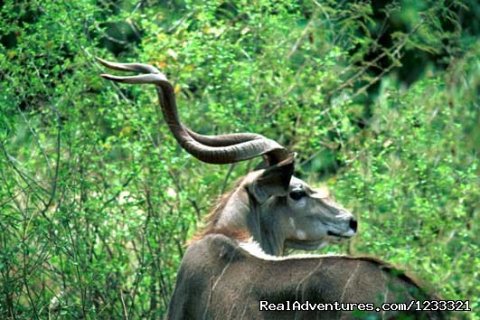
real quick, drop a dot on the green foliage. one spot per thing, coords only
(97, 200)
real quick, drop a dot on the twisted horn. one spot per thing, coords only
(218, 149)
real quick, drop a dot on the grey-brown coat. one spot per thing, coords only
(218, 279)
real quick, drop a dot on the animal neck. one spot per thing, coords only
(243, 216)
(265, 230)
(233, 217)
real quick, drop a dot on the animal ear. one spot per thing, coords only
(274, 181)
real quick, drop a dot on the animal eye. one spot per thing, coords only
(297, 194)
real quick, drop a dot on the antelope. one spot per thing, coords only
(221, 279)
(268, 205)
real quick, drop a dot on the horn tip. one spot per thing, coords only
(111, 77)
(102, 61)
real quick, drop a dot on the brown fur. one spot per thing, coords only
(210, 220)
(400, 273)
(220, 280)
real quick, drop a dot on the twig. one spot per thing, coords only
(227, 177)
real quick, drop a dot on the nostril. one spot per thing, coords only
(353, 224)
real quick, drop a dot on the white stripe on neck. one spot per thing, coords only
(254, 249)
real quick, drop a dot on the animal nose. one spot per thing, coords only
(353, 224)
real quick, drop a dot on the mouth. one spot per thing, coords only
(331, 237)
(346, 235)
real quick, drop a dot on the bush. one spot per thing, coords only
(97, 200)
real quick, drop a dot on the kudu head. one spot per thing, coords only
(271, 205)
